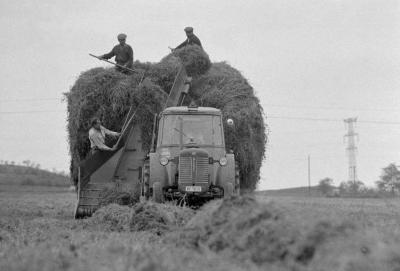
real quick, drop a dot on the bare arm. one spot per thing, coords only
(109, 132)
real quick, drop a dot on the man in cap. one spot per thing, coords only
(123, 54)
(97, 136)
(191, 38)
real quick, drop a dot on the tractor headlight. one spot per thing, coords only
(164, 161)
(223, 161)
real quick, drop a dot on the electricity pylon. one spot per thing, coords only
(351, 148)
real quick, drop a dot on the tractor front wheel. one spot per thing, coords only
(228, 190)
(237, 179)
(145, 187)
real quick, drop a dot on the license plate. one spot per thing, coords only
(193, 188)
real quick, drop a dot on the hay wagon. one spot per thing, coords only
(188, 160)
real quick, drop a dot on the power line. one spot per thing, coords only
(268, 117)
(30, 100)
(328, 107)
(332, 120)
(264, 104)
(301, 118)
(378, 122)
(32, 112)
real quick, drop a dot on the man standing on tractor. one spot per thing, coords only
(191, 38)
(97, 136)
(123, 54)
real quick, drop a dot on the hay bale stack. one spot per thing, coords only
(109, 94)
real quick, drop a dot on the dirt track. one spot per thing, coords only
(37, 232)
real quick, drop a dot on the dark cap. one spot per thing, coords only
(188, 29)
(121, 36)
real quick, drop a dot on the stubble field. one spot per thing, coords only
(38, 232)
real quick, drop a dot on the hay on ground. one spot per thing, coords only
(148, 216)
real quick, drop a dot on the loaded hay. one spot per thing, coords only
(108, 94)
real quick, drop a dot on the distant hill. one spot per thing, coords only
(26, 175)
(294, 191)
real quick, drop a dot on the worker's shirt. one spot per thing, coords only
(123, 55)
(190, 41)
(97, 138)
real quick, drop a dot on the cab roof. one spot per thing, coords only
(186, 109)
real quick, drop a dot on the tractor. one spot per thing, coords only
(190, 163)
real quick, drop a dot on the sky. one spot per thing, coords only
(312, 63)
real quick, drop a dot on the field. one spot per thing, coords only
(258, 232)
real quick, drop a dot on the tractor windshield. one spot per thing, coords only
(191, 129)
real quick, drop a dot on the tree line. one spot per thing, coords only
(387, 185)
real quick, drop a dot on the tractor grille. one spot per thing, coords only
(193, 168)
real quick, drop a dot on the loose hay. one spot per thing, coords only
(112, 217)
(246, 230)
(108, 196)
(243, 229)
(109, 94)
(158, 218)
(147, 216)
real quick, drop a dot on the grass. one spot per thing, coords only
(377, 213)
(27, 175)
(38, 232)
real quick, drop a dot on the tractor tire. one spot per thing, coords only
(136, 191)
(228, 190)
(158, 193)
(237, 179)
(145, 187)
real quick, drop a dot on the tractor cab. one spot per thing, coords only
(190, 161)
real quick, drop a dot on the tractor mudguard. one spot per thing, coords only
(158, 173)
(226, 173)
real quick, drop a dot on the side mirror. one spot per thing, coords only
(230, 122)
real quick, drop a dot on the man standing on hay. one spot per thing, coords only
(123, 54)
(191, 38)
(97, 136)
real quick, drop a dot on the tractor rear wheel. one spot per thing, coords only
(158, 193)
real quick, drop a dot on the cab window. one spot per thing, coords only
(191, 129)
